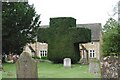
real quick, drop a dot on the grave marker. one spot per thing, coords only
(1, 69)
(1, 65)
(67, 63)
(26, 67)
(94, 67)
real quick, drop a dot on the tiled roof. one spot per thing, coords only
(95, 29)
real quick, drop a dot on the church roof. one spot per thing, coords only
(94, 27)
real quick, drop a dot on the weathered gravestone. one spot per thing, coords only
(1, 65)
(0, 69)
(26, 67)
(67, 63)
(94, 67)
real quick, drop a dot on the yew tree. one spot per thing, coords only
(20, 23)
(63, 38)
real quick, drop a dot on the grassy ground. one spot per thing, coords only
(49, 70)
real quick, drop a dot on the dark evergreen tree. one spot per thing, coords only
(19, 26)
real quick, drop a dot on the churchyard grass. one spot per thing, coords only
(49, 70)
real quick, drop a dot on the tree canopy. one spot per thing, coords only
(20, 23)
(111, 38)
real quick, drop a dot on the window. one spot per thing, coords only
(43, 53)
(92, 53)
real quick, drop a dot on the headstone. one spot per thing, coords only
(94, 67)
(26, 67)
(67, 63)
(1, 69)
(0, 65)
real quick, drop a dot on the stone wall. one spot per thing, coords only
(110, 67)
(95, 45)
(37, 47)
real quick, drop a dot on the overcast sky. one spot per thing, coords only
(85, 11)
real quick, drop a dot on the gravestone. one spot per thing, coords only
(1, 69)
(1, 65)
(26, 67)
(67, 63)
(94, 67)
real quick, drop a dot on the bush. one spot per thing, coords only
(36, 57)
(63, 39)
(44, 57)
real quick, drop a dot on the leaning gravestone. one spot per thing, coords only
(26, 67)
(67, 63)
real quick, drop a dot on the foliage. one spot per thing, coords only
(44, 57)
(111, 38)
(35, 57)
(110, 25)
(63, 39)
(19, 26)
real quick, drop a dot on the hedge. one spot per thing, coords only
(63, 38)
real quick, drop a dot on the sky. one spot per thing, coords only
(84, 11)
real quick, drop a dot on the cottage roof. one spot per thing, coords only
(94, 27)
(95, 30)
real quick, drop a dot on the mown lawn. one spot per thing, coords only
(49, 70)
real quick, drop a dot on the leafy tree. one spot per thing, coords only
(19, 26)
(111, 38)
(110, 25)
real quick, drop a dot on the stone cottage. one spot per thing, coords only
(38, 48)
(91, 50)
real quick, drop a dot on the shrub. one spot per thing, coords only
(36, 57)
(44, 57)
(63, 39)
